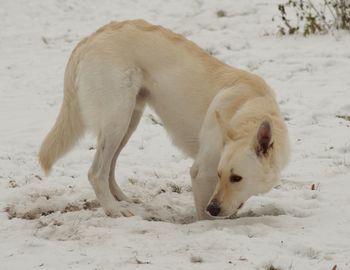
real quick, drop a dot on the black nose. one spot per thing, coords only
(213, 208)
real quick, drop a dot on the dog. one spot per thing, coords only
(225, 118)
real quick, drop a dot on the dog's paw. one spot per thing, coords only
(115, 213)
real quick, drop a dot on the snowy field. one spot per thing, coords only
(55, 222)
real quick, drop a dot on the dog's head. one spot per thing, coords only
(245, 168)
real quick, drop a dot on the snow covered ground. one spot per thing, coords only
(55, 222)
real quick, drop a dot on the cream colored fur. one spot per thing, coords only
(113, 73)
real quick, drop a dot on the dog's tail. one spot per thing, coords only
(69, 126)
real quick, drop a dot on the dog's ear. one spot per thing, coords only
(227, 131)
(264, 138)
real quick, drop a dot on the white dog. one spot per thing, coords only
(225, 118)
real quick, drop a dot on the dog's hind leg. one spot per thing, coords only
(108, 102)
(99, 170)
(135, 119)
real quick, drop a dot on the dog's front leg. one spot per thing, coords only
(203, 185)
(204, 170)
(204, 178)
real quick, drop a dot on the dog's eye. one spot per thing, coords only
(234, 178)
(219, 174)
